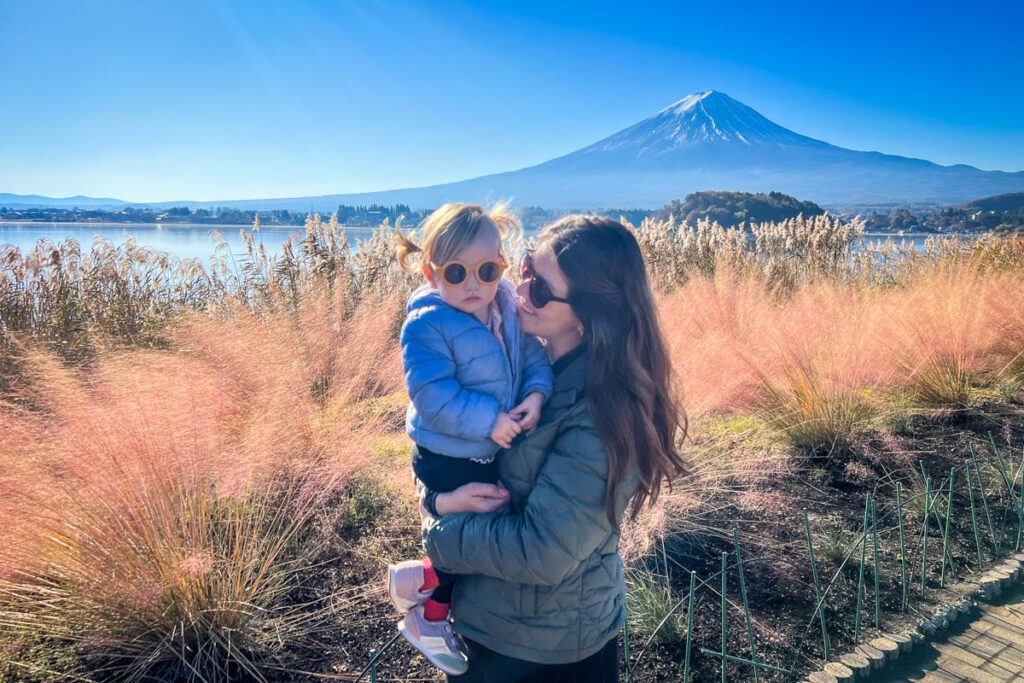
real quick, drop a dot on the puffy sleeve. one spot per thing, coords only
(438, 396)
(561, 524)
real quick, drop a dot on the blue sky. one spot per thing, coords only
(187, 99)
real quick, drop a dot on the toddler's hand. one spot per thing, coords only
(505, 429)
(528, 412)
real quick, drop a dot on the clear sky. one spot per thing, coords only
(215, 99)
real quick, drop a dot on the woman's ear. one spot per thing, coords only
(431, 276)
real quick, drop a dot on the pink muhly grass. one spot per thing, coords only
(942, 335)
(736, 348)
(154, 499)
(829, 356)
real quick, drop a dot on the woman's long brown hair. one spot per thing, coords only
(629, 374)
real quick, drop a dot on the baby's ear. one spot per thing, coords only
(431, 276)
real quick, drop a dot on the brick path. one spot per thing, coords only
(989, 649)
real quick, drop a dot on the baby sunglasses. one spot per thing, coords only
(487, 272)
(540, 291)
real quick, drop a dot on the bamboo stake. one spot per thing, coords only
(740, 660)
(903, 546)
(974, 516)
(820, 610)
(945, 533)
(924, 532)
(746, 607)
(935, 515)
(689, 627)
(724, 587)
(860, 580)
(984, 502)
(874, 557)
(1020, 505)
(1002, 466)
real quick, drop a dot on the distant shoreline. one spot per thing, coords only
(299, 228)
(108, 224)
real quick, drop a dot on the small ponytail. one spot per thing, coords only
(405, 248)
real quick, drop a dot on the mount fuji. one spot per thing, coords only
(705, 141)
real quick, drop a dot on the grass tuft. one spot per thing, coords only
(649, 601)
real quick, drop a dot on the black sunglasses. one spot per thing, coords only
(540, 290)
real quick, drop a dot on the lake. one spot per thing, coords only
(183, 240)
(190, 240)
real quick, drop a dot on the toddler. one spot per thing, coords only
(475, 382)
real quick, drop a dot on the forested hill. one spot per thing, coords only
(1011, 203)
(734, 208)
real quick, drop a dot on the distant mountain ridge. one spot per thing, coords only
(705, 141)
(31, 201)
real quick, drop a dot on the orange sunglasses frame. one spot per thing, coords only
(473, 270)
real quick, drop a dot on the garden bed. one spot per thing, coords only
(780, 589)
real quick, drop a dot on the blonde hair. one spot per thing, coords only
(450, 229)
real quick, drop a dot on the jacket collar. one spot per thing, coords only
(566, 360)
(570, 377)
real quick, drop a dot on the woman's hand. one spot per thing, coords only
(472, 497)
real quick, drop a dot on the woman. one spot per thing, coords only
(543, 593)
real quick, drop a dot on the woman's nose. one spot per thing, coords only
(523, 288)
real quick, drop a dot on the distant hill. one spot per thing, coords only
(733, 208)
(1004, 212)
(1012, 202)
(1001, 212)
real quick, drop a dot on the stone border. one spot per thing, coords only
(868, 658)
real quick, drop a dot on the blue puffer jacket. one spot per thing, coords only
(457, 374)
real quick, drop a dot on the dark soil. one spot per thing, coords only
(780, 588)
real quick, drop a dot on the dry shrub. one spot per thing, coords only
(156, 499)
(159, 577)
(722, 469)
(953, 325)
(79, 302)
(64, 296)
(828, 357)
(781, 255)
(816, 413)
(651, 605)
(738, 348)
(145, 540)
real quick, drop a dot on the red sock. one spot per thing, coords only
(430, 580)
(435, 611)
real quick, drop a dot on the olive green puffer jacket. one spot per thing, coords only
(543, 579)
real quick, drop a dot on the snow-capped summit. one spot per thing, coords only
(705, 141)
(700, 118)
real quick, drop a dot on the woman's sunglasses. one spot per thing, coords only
(487, 272)
(540, 290)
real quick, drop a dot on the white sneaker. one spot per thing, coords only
(404, 581)
(436, 640)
